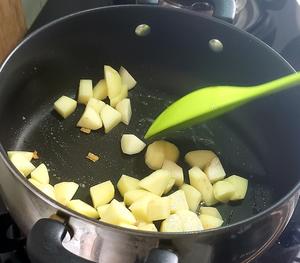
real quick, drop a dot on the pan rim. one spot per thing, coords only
(97, 223)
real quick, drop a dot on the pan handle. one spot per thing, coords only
(44, 243)
(158, 255)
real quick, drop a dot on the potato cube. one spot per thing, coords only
(117, 213)
(127, 183)
(223, 191)
(83, 208)
(210, 211)
(147, 227)
(65, 106)
(90, 119)
(124, 107)
(199, 158)
(159, 151)
(178, 201)
(130, 144)
(170, 185)
(27, 155)
(240, 185)
(128, 226)
(47, 189)
(175, 170)
(85, 91)
(110, 117)
(102, 194)
(122, 95)
(100, 90)
(65, 191)
(158, 209)
(134, 195)
(209, 222)
(140, 208)
(127, 78)
(200, 181)
(41, 174)
(156, 182)
(95, 104)
(214, 170)
(101, 209)
(113, 82)
(172, 224)
(192, 195)
(22, 164)
(189, 220)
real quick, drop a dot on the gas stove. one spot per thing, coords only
(276, 22)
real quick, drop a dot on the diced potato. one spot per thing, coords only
(124, 107)
(172, 224)
(22, 164)
(159, 151)
(223, 191)
(103, 193)
(47, 189)
(210, 211)
(127, 183)
(110, 117)
(134, 195)
(65, 106)
(200, 181)
(90, 119)
(113, 82)
(240, 185)
(199, 158)
(189, 220)
(101, 209)
(117, 213)
(130, 144)
(95, 104)
(170, 185)
(140, 208)
(128, 226)
(85, 91)
(193, 196)
(158, 209)
(83, 208)
(127, 78)
(65, 191)
(175, 170)
(27, 155)
(214, 170)
(41, 174)
(122, 95)
(178, 201)
(147, 227)
(100, 90)
(156, 182)
(209, 222)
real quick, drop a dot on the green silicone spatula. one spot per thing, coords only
(209, 102)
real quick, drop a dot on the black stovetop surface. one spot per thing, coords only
(277, 23)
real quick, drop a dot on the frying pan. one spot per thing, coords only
(258, 141)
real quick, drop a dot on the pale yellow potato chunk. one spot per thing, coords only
(172, 224)
(134, 195)
(22, 164)
(40, 174)
(122, 95)
(158, 209)
(170, 185)
(124, 107)
(159, 151)
(130, 144)
(147, 227)
(27, 155)
(140, 208)
(110, 118)
(175, 170)
(85, 91)
(200, 181)
(113, 82)
(240, 185)
(199, 158)
(211, 211)
(90, 119)
(102, 193)
(189, 220)
(65, 191)
(95, 104)
(127, 78)
(127, 183)
(117, 213)
(47, 189)
(101, 209)
(223, 191)
(65, 106)
(209, 222)
(128, 226)
(83, 208)
(178, 201)
(214, 170)
(100, 90)
(156, 182)
(193, 196)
